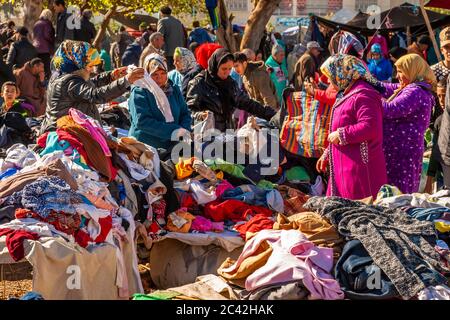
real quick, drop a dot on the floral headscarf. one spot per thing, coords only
(75, 55)
(187, 59)
(342, 70)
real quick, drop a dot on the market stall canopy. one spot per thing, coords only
(444, 4)
(344, 15)
(394, 19)
(135, 20)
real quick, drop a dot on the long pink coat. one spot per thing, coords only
(357, 167)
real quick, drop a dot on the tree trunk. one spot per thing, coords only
(224, 32)
(31, 12)
(102, 30)
(256, 23)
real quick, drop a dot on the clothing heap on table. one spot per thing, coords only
(82, 186)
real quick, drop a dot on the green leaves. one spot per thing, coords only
(151, 6)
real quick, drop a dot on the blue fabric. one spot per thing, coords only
(255, 196)
(46, 194)
(177, 78)
(380, 69)
(353, 270)
(132, 55)
(376, 48)
(429, 214)
(236, 77)
(148, 124)
(200, 36)
(9, 172)
(32, 296)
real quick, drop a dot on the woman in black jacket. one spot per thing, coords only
(72, 87)
(214, 90)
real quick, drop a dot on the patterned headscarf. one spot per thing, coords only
(415, 69)
(153, 62)
(342, 70)
(75, 55)
(346, 43)
(187, 59)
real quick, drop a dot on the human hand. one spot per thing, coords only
(334, 137)
(309, 88)
(119, 73)
(41, 76)
(135, 75)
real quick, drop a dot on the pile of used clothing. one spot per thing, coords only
(95, 195)
(396, 247)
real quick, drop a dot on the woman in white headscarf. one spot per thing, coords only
(157, 108)
(184, 62)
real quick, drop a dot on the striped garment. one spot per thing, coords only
(306, 126)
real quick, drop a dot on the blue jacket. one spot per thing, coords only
(147, 122)
(199, 35)
(132, 54)
(382, 69)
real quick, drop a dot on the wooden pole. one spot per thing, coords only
(408, 36)
(430, 30)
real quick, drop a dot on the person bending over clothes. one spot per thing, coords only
(406, 115)
(214, 90)
(157, 108)
(355, 153)
(72, 87)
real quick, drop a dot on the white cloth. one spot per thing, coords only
(250, 140)
(18, 156)
(161, 99)
(201, 195)
(440, 292)
(436, 200)
(94, 214)
(137, 171)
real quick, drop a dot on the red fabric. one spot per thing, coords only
(234, 210)
(42, 140)
(327, 96)
(105, 228)
(63, 135)
(14, 241)
(204, 52)
(82, 238)
(186, 200)
(25, 213)
(64, 222)
(255, 224)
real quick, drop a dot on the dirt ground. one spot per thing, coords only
(17, 289)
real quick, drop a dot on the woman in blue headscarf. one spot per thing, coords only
(71, 85)
(379, 67)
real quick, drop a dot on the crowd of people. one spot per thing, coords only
(378, 103)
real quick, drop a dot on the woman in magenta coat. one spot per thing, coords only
(355, 154)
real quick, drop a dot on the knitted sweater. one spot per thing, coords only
(400, 245)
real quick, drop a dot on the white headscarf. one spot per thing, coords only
(148, 83)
